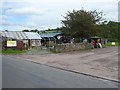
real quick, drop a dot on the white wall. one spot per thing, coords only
(36, 42)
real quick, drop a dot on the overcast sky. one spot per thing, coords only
(18, 15)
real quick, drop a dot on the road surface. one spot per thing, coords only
(100, 62)
(18, 73)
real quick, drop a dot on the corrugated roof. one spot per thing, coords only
(20, 35)
(32, 35)
(46, 35)
(49, 35)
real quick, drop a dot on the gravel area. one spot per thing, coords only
(102, 62)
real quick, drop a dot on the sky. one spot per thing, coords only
(17, 15)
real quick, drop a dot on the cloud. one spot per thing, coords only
(57, 1)
(7, 23)
(48, 13)
(112, 16)
(3, 17)
(25, 11)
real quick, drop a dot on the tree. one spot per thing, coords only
(6, 30)
(26, 30)
(82, 23)
(111, 31)
(37, 31)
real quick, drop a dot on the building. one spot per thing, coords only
(20, 40)
(96, 40)
(54, 38)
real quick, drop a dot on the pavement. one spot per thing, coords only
(18, 73)
(101, 62)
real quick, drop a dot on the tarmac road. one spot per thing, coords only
(18, 73)
(100, 62)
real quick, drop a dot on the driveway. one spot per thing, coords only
(96, 62)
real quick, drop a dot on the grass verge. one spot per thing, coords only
(110, 44)
(55, 51)
(10, 51)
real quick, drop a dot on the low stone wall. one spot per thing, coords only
(73, 47)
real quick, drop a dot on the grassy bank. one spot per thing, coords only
(10, 51)
(110, 44)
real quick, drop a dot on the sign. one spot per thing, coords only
(11, 43)
(113, 43)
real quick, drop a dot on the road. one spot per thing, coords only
(100, 62)
(18, 73)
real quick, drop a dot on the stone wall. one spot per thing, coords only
(73, 47)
